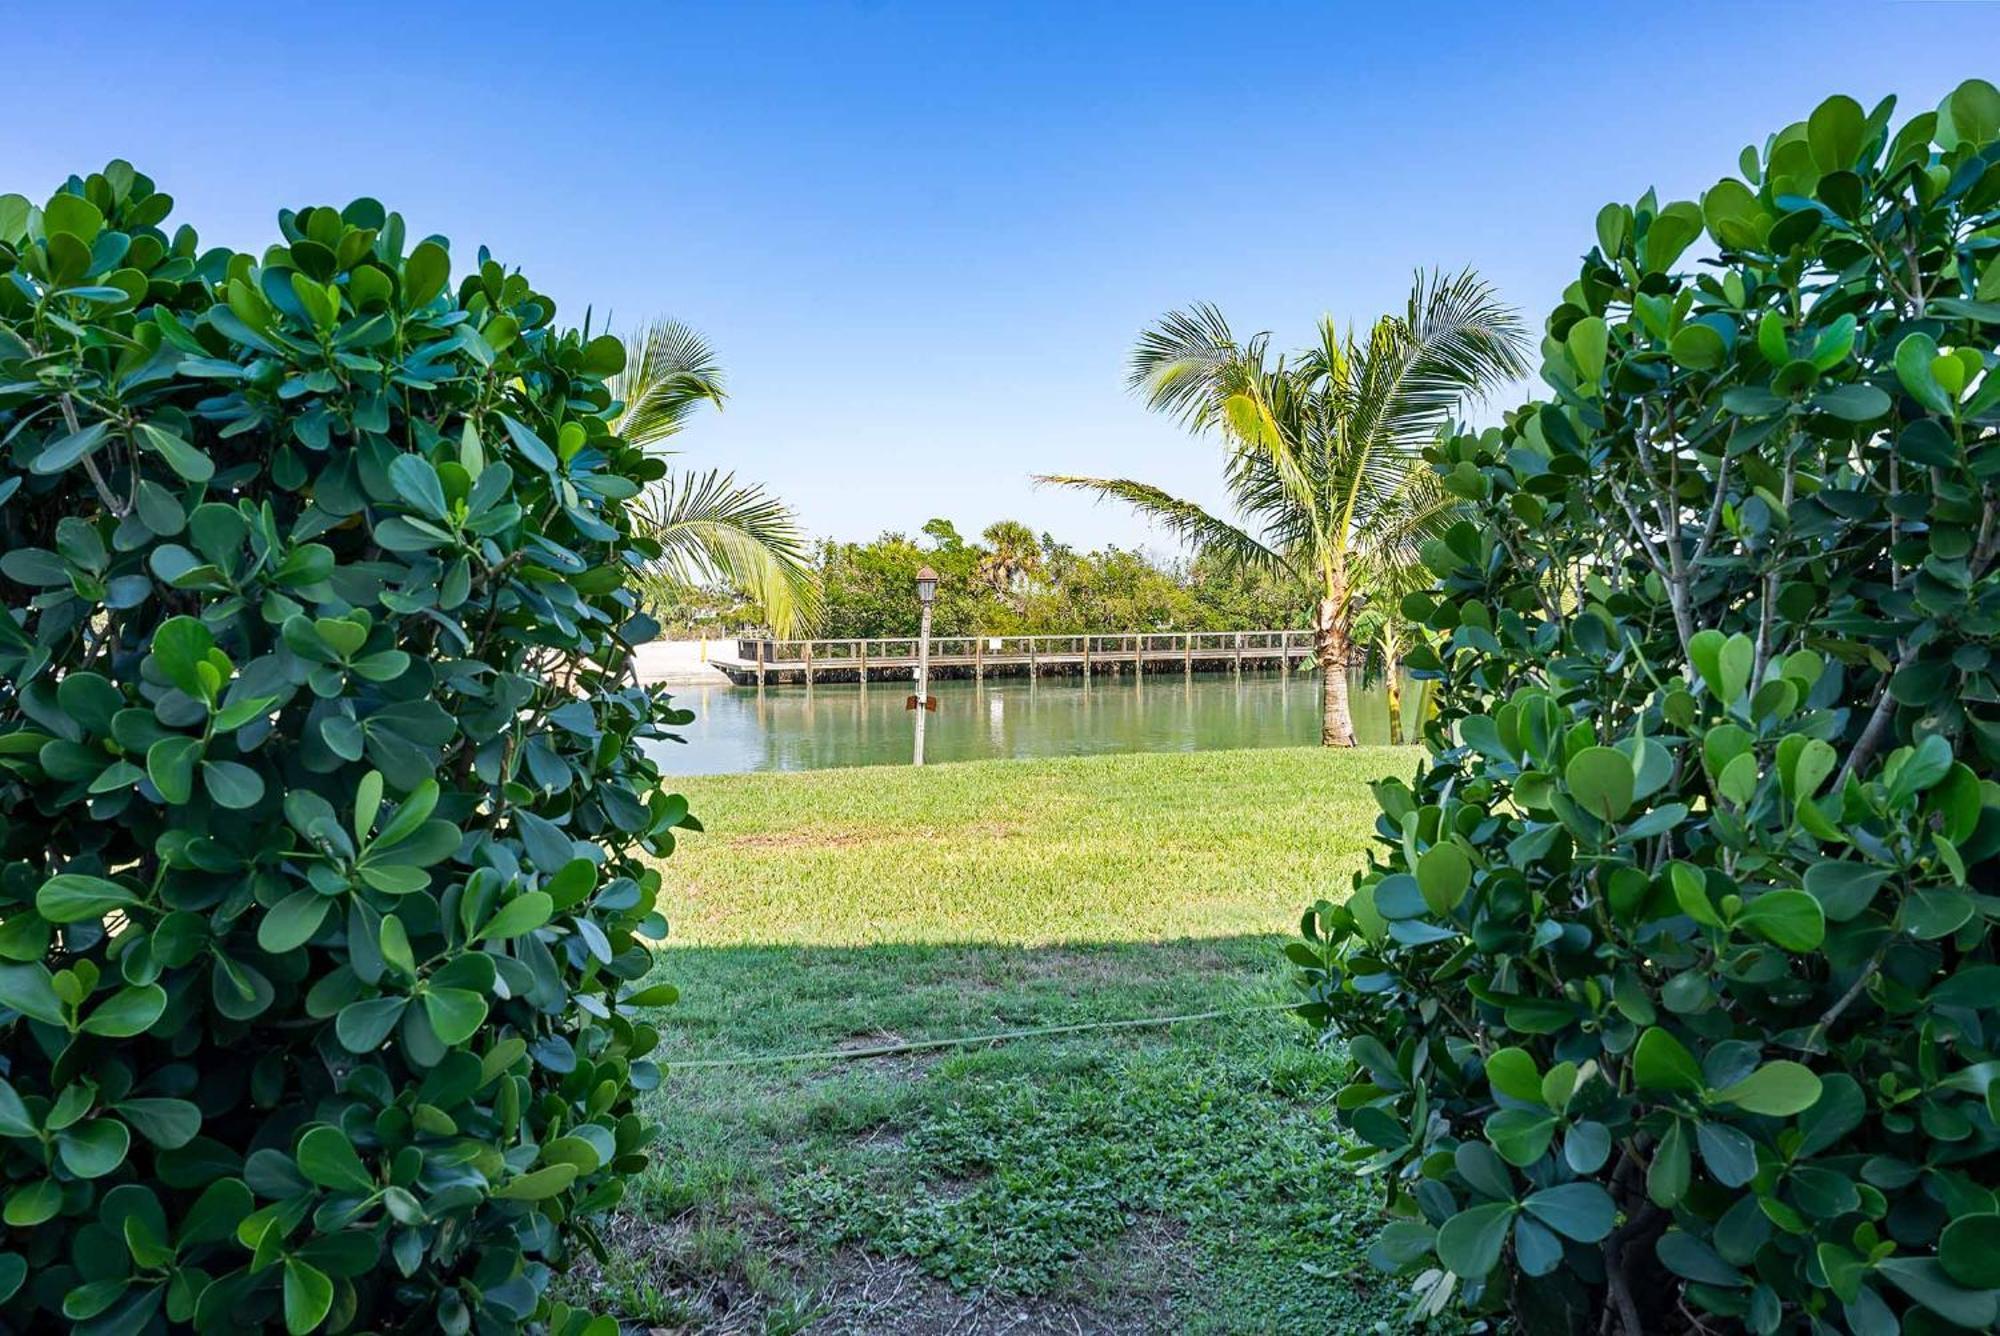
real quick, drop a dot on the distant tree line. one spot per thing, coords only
(1009, 581)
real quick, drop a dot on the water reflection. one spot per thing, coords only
(811, 728)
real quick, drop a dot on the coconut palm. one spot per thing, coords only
(709, 527)
(1323, 464)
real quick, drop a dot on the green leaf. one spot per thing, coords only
(1730, 1155)
(71, 897)
(14, 1117)
(1698, 346)
(1843, 890)
(1443, 874)
(530, 445)
(1853, 403)
(33, 1203)
(1778, 1089)
(308, 1296)
(1733, 667)
(181, 457)
(180, 645)
(67, 450)
(93, 1149)
(1693, 1259)
(417, 486)
(232, 785)
(127, 1012)
(26, 988)
(167, 1123)
(1662, 1062)
(455, 1013)
(1667, 1176)
(1521, 1136)
(1969, 1251)
(1581, 1211)
(170, 764)
(291, 922)
(1587, 340)
(1935, 912)
(523, 914)
(328, 1160)
(424, 274)
(1469, 1244)
(538, 1185)
(1927, 1282)
(363, 1026)
(1914, 356)
(1601, 780)
(1790, 919)
(1512, 1072)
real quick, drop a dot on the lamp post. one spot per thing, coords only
(926, 594)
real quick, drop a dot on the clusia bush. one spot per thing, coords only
(323, 818)
(1672, 987)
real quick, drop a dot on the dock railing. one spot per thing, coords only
(759, 659)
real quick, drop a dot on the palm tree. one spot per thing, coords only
(709, 527)
(1323, 462)
(1012, 558)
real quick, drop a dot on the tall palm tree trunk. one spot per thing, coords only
(1330, 643)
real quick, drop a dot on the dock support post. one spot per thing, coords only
(1033, 668)
(979, 658)
(1086, 658)
(809, 662)
(761, 645)
(864, 663)
(1239, 654)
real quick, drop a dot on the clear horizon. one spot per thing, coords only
(922, 238)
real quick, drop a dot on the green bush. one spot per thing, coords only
(1673, 990)
(323, 815)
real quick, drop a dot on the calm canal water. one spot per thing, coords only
(814, 728)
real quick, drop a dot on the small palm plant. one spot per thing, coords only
(709, 527)
(1323, 458)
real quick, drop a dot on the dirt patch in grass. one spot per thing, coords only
(676, 1277)
(868, 1294)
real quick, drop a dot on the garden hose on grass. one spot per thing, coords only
(967, 1041)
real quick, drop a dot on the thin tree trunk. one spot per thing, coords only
(1336, 724)
(1391, 669)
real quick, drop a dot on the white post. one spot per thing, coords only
(923, 678)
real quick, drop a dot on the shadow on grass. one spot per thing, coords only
(1186, 1177)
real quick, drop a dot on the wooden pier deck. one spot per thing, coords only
(761, 662)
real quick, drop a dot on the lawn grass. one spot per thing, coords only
(1184, 1177)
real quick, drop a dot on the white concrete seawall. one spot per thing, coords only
(682, 662)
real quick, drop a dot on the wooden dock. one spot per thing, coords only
(760, 662)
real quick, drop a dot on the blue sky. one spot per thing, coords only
(923, 236)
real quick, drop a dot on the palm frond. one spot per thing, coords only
(1190, 523)
(1189, 363)
(670, 372)
(709, 527)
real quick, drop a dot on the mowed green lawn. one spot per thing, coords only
(1179, 1177)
